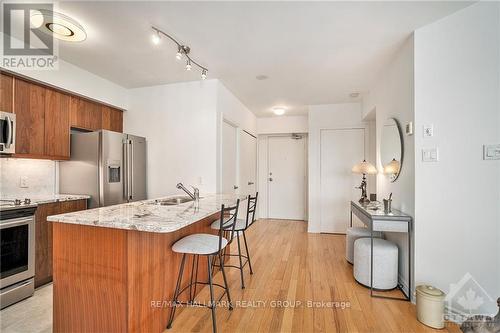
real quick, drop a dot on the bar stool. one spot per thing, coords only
(210, 246)
(241, 226)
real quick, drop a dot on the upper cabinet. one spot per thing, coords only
(112, 119)
(45, 116)
(57, 124)
(6, 92)
(29, 106)
(85, 114)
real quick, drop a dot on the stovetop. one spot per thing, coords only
(9, 204)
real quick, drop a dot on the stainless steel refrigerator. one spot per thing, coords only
(109, 166)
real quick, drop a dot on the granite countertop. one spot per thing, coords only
(147, 216)
(44, 199)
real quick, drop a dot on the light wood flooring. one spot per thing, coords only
(291, 265)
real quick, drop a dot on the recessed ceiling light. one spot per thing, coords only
(279, 111)
(354, 94)
(262, 77)
(58, 25)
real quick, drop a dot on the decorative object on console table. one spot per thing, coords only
(364, 168)
(388, 205)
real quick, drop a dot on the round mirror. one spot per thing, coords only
(391, 149)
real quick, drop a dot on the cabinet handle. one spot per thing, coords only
(250, 183)
(235, 187)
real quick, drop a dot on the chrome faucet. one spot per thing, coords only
(195, 196)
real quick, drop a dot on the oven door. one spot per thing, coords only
(7, 133)
(17, 250)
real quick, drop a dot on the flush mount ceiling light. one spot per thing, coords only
(182, 51)
(279, 111)
(58, 25)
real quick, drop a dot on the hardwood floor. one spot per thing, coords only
(291, 265)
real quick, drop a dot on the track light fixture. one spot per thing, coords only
(182, 50)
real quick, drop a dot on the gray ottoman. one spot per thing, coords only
(352, 235)
(385, 263)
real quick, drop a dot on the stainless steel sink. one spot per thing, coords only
(173, 201)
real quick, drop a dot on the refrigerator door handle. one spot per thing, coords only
(131, 170)
(125, 171)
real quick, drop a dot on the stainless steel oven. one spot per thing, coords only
(7, 133)
(17, 267)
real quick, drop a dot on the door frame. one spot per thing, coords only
(365, 129)
(263, 175)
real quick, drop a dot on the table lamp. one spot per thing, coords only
(364, 168)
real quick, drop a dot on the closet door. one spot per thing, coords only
(229, 158)
(340, 150)
(248, 163)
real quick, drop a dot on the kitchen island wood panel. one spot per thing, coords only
(110, 280)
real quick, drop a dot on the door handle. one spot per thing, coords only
(270, 179)
(235, 187)
(250, 183)
(9, 136)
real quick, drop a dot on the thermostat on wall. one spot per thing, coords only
(409, 128)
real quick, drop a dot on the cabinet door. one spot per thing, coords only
(57, 127)
(43, 236)
(85, 114)
(29, 107)
(6, 93)
(112, 119)
(43, 243)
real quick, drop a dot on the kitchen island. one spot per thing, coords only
(113, 268)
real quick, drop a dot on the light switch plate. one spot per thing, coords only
(430, 155)
(491, 152)
(428, 130)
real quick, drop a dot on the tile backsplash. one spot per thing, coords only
(39, 177)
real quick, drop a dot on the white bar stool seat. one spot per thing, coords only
(385, 263)
(199, 244)
(352, 235)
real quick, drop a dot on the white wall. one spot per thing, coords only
(231, 108)
(333, 116)
(457, 66)
(179, 122)
(282, 125)
(391, 96)
(182, 125)
(79, 81)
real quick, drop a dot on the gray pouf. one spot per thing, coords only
(352, 235)
(385, 263)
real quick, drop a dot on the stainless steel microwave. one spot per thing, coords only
(7, 133)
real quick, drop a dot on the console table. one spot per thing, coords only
(378, 220)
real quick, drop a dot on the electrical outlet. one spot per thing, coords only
(23, 182)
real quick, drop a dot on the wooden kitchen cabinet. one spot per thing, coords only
(57, 125)
(29, 107)
(43, 236)
(85, 114)
(6, 92)
(112, 119)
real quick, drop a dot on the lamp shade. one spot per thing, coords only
(364, 168)
(392, 167)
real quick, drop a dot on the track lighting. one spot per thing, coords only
(182, 50)
(178, 56)
(156, 38)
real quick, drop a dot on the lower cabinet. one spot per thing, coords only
(43, 236)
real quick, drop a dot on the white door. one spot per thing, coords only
(340, 150)
(229, 158)
(286, 178)
(248, 164)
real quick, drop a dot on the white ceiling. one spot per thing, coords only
(312, 52)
